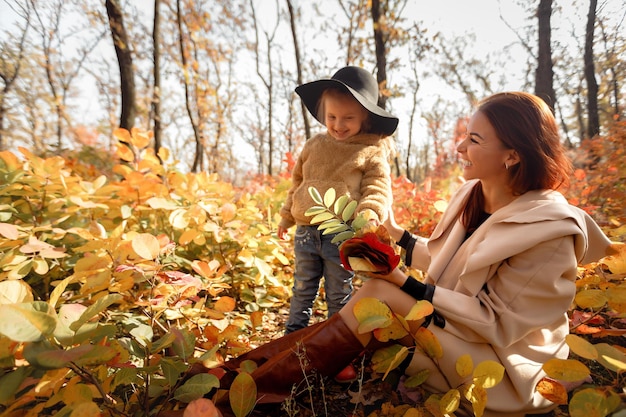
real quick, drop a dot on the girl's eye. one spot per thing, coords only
(473, 140)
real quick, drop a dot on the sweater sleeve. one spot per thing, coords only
(528, 291)
(287, 219)
(375, 186)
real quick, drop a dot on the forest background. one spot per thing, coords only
(144, 156)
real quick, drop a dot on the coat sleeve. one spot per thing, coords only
(529, 291)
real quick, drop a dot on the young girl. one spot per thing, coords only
(352, 157)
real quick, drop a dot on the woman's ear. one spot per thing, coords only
(512, 159)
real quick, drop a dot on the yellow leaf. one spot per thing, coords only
(140, 139)
(395, 331)
(488, 374)
(85, 409)
(164, 154)
(242, 394)
(477, 395)
(146, 246)
(464, 365)
(569, 370)
(371, 313)
(124, 153)
(450, 401)
(76, 393)
(616, 298)
(616, 262)
(420, 309)
(188, 236)
(428, 343)
(440, 205)
(228, 212)
(225, 304)
(361, 264)
(594, 299)
(581, 347)
(40, 266)
(123, 135)
(15, 291)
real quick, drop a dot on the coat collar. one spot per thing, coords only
(534, 217)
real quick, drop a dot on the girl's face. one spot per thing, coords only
(482, 154)
(344, 117)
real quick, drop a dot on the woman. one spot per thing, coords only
(500, 266)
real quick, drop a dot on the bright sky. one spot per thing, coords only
(451, 17)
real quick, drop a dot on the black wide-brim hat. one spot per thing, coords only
(361, 85)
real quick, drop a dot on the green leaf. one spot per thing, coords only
(340, 204)
(322, 217)
(611, 357)
(196, 387)
(359, 222)
(329, 223)
(341, 227)
(10, 383)
(588, 402)
(312, 211)
(26, 322)
(315, 195)
(172, 369)
(417, 379)
(96, 308)
(388, 358)
(348, 212)
(343, 236)
(242, 394)
(163, 343)
(329, 197)
(185, 342)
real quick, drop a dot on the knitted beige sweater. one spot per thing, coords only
(357, 167)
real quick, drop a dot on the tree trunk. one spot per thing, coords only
(198, 159)
(380, 38)
(156, 71)
(544, 75)
(296, 48)
(125, 61)
(593, 124)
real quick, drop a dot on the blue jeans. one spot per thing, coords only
(316, 257)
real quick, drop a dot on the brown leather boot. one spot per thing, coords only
(326, 347)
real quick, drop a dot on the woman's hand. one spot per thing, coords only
(395, 231)
(396, 277)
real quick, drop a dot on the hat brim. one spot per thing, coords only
(383, 122)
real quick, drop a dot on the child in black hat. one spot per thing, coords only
(352, 157)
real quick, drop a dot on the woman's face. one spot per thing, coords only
(482, 154)
(344, 116)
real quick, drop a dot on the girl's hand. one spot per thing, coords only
(282, 233)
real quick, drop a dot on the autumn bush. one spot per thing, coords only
(112, 284)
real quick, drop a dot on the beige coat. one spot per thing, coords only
(357, 167)
(504, 292)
